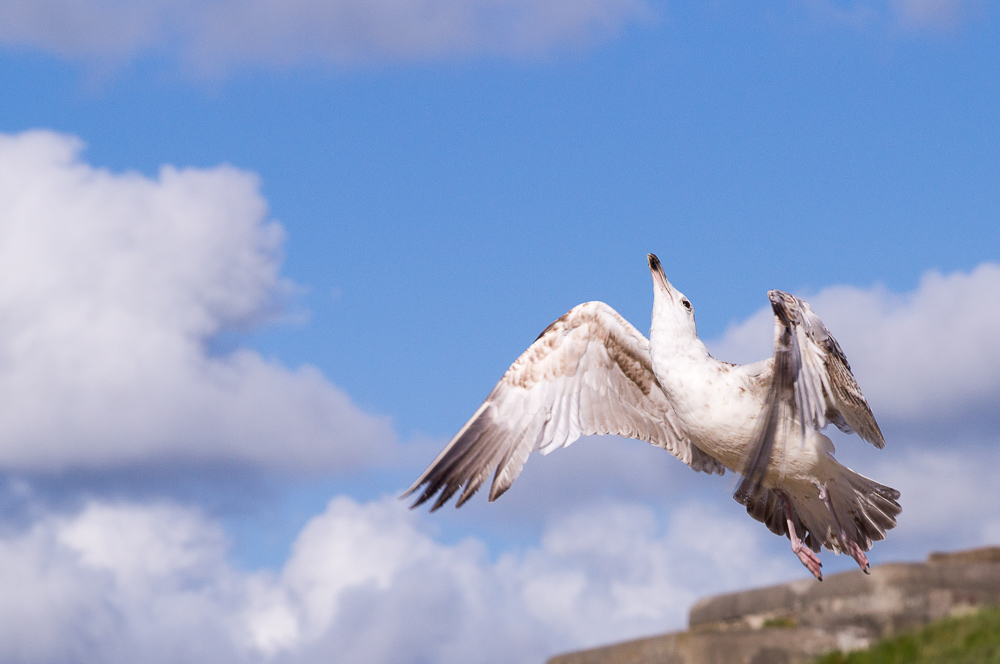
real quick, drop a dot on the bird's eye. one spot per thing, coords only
(687, 305)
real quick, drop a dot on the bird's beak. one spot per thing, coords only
(659, 279)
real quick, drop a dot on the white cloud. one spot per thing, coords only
(926, 355)
(369, 579)
(605, 573)
(111, 288)
(950, 498)
(117, 584)
(364, 582)
(218, 34)
(124, 582)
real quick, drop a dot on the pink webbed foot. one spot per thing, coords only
(804, 553)
(855, 551)
(808, 558)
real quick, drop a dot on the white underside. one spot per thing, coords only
(720, 413)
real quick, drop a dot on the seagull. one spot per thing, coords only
(591, 372)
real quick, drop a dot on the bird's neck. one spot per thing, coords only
(683, 367)
(673, 333)
(673, 345)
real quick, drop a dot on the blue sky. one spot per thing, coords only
(264, 257)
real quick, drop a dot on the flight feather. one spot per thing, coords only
(588, 373)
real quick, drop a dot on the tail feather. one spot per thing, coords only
(764, 505)
(864, 509)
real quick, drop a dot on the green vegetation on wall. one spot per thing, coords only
(971, 639)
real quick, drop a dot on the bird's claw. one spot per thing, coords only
(810, 560)
(855, 551)
(850, 546)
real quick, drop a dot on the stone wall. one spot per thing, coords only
(794, 622)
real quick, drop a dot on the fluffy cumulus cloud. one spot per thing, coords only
(950, 496)
(117, 583)
(112, 287)
(217, 34)
(364, 582)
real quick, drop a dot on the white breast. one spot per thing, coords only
(714, 403)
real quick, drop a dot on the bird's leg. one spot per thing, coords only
(804, 553)
(848, 545)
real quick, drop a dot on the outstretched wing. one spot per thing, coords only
(588, 373)
(811, 381)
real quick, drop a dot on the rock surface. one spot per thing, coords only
(797, 621)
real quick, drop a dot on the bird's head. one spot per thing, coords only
(672, 312)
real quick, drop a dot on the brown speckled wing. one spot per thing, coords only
(588, 373)
(811, 382)
(849, 410)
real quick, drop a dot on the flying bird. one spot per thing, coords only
(591, 372)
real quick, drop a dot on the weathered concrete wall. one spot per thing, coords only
(796, 621)
(894, 597)
(736, 646)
